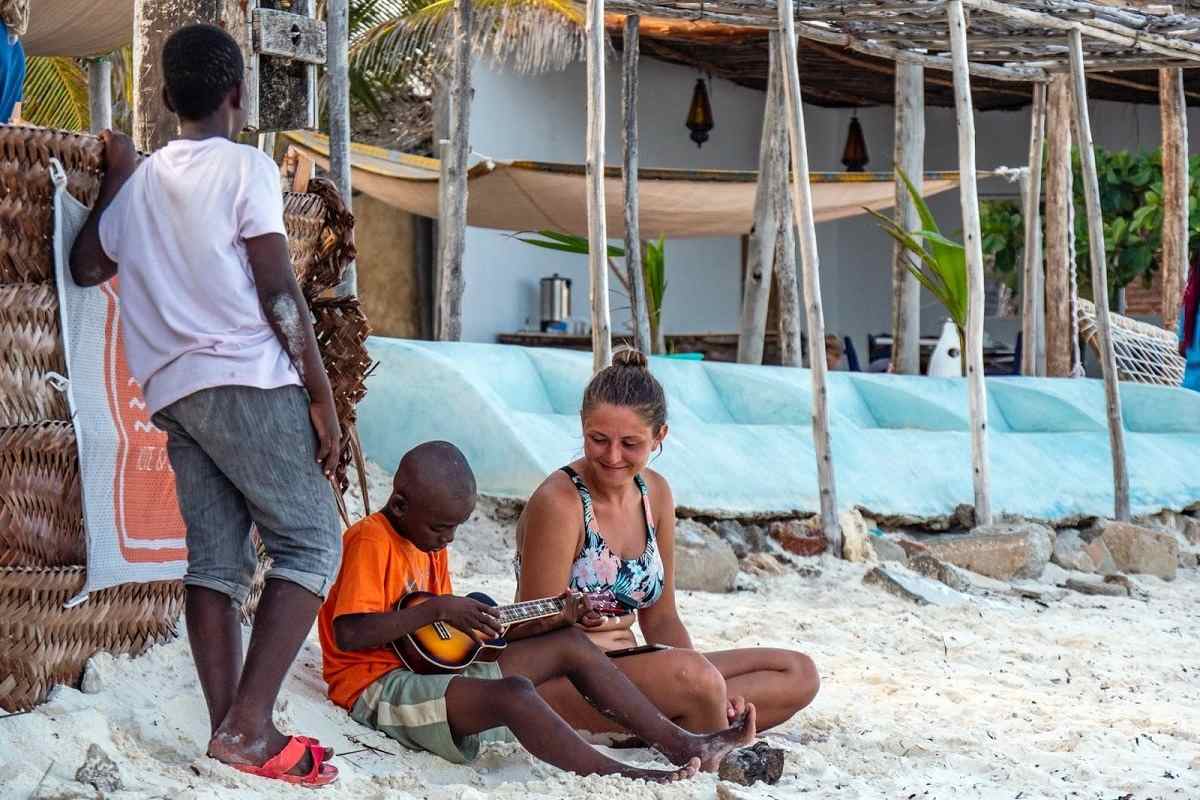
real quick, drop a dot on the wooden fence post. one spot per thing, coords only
(337, 81)
(1173, 113)
(803, 208)
(1095, 221)
(1032, 289)
(968, 192)
(908, 155)
(1057, 242)
(100, 93)
(453, 225)
(597, 223)
(638, 310)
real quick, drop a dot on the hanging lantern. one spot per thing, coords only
(855, 155)
(700, 116)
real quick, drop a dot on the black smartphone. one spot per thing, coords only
(635, 651)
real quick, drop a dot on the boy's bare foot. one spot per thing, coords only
(685, 772)
(232, 747)
(713, 747)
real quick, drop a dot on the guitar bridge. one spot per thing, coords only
(441, 630)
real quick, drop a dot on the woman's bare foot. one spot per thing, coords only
(685, 772)
(713, 747)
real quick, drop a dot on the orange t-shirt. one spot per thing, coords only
(379, 567)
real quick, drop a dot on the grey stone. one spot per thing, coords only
(99, 771)
(855, 537)
(1142, 551)
(908, 585)
(93, 679)
(703, 561)
(1054, 575)
(1189, 559)
(1004, 552)
(930, 567)
(1094, 546)
(733, 534)
(763, 564)
(1191, 530)
(1097, 588)
(1035, 590)
(1131, 588)
(888, 550)
(1069, 552)
(749, 765)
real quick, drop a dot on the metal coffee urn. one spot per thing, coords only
(556, 303)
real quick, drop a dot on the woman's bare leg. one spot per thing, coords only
(682, 684)
(778, 682)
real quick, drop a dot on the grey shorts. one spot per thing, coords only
(243, 455)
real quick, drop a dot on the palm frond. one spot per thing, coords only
(528, 36)
(56, 93)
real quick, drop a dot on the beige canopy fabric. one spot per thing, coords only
(78, 27)
(531, 195)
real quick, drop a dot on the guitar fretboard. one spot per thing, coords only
(532, 609)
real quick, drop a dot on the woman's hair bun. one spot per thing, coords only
(629, 357)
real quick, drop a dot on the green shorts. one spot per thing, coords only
(411, 709)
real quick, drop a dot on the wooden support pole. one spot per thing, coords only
(1032, 291)
(1173, 113)
(597, 225)
(908, 155)
(1058, 223)
(787, 282)
(337, 79)
(638, 310)
(968, 192)
(1095, 221)
(100, 93)
(756, 289)
(453, 224)
(803, 207)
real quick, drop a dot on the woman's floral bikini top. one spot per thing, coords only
(637, 582)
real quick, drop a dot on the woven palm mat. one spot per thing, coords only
(30, 348)
(27, 195)
(41, 517)
(335, 245)
(43, 644)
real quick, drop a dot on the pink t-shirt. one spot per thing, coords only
(190, 312)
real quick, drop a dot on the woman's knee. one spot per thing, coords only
(698, 678)
(805, 679)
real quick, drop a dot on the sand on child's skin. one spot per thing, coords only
(1090, 698)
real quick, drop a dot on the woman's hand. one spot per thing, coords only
(735, 706)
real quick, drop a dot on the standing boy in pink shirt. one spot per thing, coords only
(218, 333)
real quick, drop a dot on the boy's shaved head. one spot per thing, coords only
(432, 494)
(436, 469)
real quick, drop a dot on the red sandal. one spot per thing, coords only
(278, 766)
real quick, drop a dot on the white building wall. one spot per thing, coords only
(544, 117)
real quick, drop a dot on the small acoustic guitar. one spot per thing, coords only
(441, 648)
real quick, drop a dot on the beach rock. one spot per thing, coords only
(908, 585)
(733, 534)
(1189, 559)
(1097, 588)
(856, 534)
(799, 537)
(99, 771)
(93, 678)
(1004, 552)
(703, 561)
(1191, 529)
(888, 550)
(930, 567)
(1037, 591)
(1131, 588)
(1094, 546)
(1069, 552)
(763, 564)
(911, 546)
(1142, 551)
(749, 765)
(1054, 575)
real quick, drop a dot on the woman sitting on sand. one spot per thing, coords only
(606, 522)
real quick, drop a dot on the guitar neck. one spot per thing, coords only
(529, 610)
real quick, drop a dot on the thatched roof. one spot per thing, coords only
(838, 77)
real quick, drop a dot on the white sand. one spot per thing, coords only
(1001, 698)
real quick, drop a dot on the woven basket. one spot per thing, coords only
(41, 517)
(29, 349)
(43, 644)
(342, 331)
(336, 248)
(27, 195)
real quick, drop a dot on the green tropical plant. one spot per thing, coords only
(939, 264)
(654, 270)
(1002, 229)
(56, 91)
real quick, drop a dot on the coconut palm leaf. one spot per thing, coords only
(530, 36)
(56, 93)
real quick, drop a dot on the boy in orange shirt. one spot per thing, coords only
(402, 549)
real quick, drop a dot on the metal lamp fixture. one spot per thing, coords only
(854, 156)
(700, 116)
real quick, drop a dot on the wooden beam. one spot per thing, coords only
(1059, 266)
(1095, 222)
(634, 276)
(801, 195)
(968, 193)
(100, 93)
(1032, 286)
(289, 35)
(909, 156)
(338, 83)
(1173, 114)
(756, 291)
(786, 279)
(597, 226)
(453, 226)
